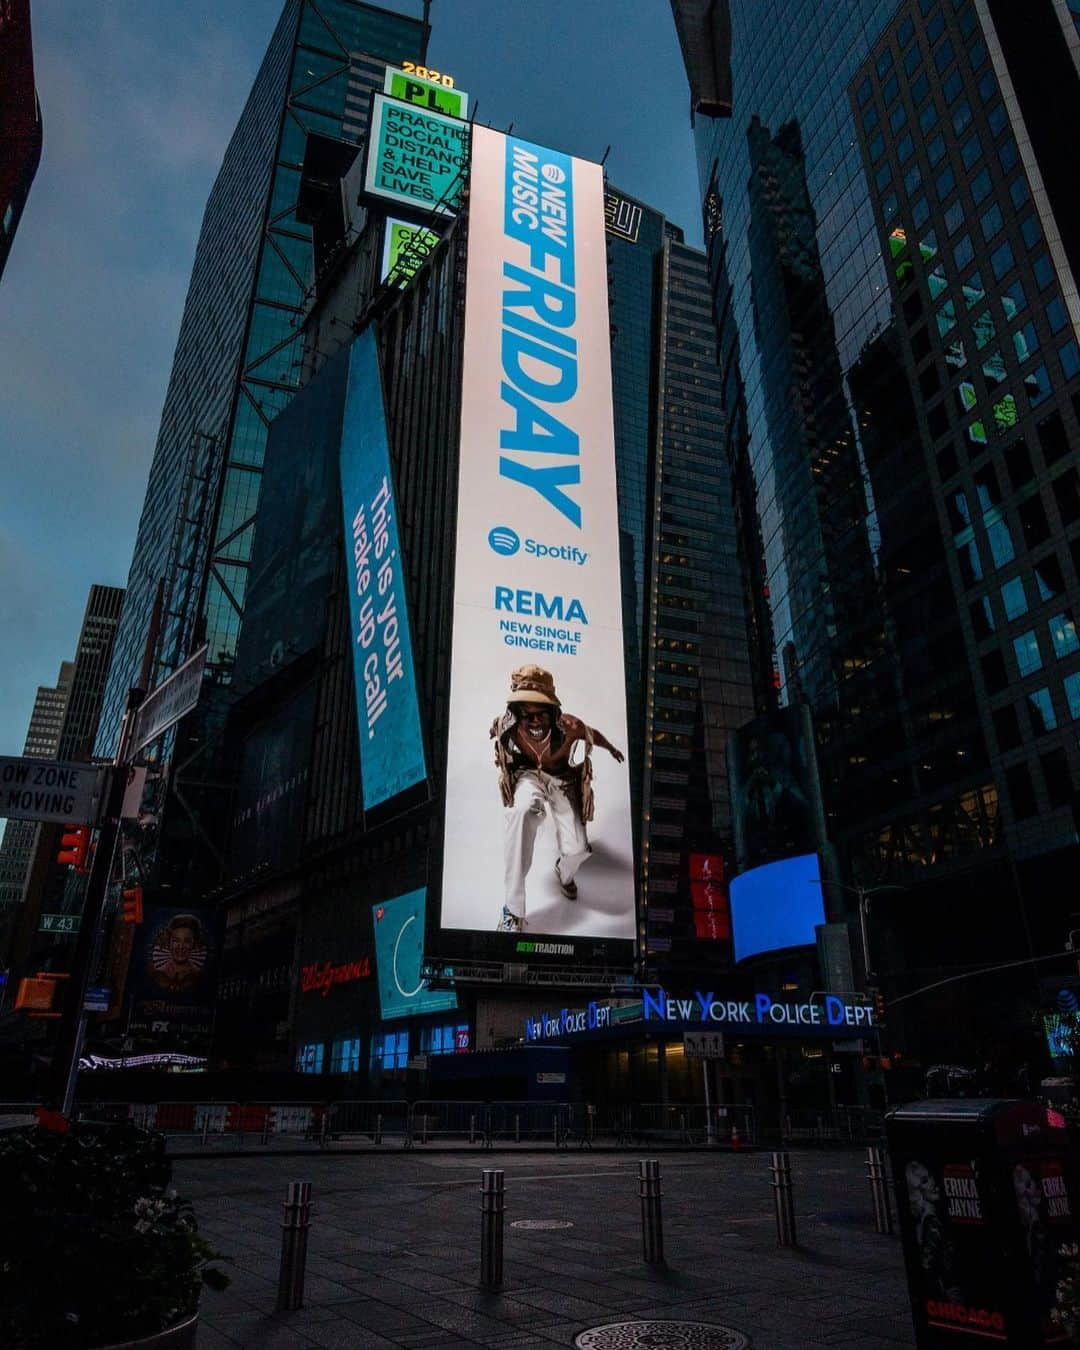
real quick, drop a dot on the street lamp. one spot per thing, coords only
(864, 893)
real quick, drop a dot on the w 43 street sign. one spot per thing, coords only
(51, 790)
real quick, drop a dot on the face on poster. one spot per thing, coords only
(538, 833)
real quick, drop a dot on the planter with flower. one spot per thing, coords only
(96, 1249)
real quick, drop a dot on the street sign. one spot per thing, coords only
(703, 1044)
(59, 923)
(50, 790)
(165, 705)
(98, 998)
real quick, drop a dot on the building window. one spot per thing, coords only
(991, 222)
(1026, 650)
(1021, 793)
(1056, 775)
(1069, 356)
(1042, 711)
(309, 1058)
(1013, 598)
(1071, 685)
(445, 1039)
(345, 1056)
(1063, 634)
(1007, 728)
(1002, 259)
(982, 617)
(389, 1051)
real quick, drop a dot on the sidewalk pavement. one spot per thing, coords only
(393, 1258)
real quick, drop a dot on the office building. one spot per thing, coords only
(236, 367)
(42, 742)
(20, 119)
(892, 251)
(47, 887)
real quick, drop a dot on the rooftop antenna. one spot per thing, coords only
(603, 159)
(427, 32)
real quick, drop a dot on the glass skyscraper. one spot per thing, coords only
(893, 269)
(20, 119)
(237, 360)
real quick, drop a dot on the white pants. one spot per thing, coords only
(537, 793)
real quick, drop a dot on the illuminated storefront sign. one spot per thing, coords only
(415, 157)
(761, 1012)
(322, 976)
(537, 576)
(387, 712)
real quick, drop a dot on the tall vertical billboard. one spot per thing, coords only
(538, 839)
(387, 712)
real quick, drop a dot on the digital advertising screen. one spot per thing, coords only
(399, 952)
(387, 712)
(405, 249)
(776, 906)
(775, 790)
(538, 827)
(416, 158)
(172, 977)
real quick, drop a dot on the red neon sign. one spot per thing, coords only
(323, 975)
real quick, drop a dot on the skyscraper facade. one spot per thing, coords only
(237, 358)
(45, 882)
(892, 265)
(20, 119)
(42, 742)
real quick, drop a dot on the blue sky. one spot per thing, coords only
(139, 98)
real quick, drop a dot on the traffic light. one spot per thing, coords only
(74, 847)
(879, 1006)
(131, 904)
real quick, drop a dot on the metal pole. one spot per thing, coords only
(864, 905)
(492, 1208)
(378, 1128)
(879, 1191)
(517, 1128)
(652, 1219)
(294, 1237)
(783, 1199)
(710, 1133)
(472, 1128)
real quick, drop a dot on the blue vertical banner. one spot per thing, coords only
(387, 711)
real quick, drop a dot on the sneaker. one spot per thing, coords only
(568, 888)
(509, 923)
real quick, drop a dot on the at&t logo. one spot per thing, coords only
(504, 540)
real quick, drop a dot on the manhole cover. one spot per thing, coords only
(661, 1336)
(541, 1223)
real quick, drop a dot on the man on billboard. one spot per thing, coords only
(534, 745)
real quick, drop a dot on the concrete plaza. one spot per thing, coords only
(394, 1251)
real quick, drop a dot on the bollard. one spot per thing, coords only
(783, 1199)
(492, 1207)
(652, 1219)
(294, 1237)
(517, 1129)
(879, 1191)
(378, 1128)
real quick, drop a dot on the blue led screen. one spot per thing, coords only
(387, 713)
(399, 951)
(778, 905)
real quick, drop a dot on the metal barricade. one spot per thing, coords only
(443, 1122)
(377, 1120)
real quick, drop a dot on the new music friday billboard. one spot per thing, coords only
(538, 842)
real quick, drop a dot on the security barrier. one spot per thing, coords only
(397, 1123)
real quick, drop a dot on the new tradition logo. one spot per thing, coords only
(504, 540)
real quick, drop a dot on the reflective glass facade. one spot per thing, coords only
(238, 356)
(892, 266)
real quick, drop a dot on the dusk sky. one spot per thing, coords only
(139, 98)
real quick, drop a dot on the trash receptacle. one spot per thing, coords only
(985, 1192)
